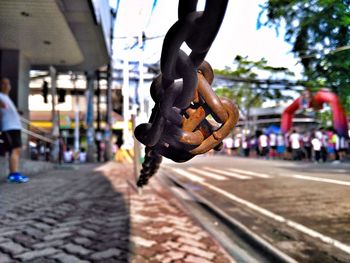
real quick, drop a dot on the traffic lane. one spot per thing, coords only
(317, 205)
(300, 242)
(273, 167)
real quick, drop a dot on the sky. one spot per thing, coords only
(238, 34)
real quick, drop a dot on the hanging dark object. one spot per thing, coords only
(61, 95)
(45, 90)
(178, 128)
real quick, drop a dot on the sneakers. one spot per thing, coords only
(17, 178)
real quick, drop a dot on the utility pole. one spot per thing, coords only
(76, 116)
(55, 122)
(125, 94)
(142, 114)
(90, 133)
(141, 78)
(109, 119)
(98, 132)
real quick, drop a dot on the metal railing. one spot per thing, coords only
(40, 133)
(40, 141)
(37, 136)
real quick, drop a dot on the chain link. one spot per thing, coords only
(178, 128)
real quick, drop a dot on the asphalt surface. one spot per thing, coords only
(90, 213)
(301, 208)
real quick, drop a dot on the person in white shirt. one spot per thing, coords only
(264, 145)
(316, 147)
(68, 156)
(295, 144)
(82, 156)
(228, 144)
(236, 144)
(273, 144)
(10, 128)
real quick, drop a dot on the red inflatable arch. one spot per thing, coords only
(340, 121)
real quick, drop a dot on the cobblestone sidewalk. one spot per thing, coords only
(91, 214)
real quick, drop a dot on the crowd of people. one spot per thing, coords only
(319, 145)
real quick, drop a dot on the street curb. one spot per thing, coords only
(253, 239)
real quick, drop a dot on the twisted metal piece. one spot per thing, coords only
(178, 128)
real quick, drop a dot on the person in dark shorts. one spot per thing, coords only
(10, 127)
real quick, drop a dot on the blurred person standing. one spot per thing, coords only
(281, 148)
(336, 146)
(246, 146)
(324, 149)
(273, 144)
(330, 146)
(10, 127)
(254, 145)
(295, 144)
(343, 144)
(306, 139)
(264, 145)
(236, 145)
(324, 142)
(228, 144)
(288, 154)
(316, 147)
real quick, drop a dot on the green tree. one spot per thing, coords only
(319, 31)
(248, 90)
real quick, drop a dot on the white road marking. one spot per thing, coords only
(319, 179)
(189, 175)
(235, 175)
(250, 173)
(281, 219)
(207, 174)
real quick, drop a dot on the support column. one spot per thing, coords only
(108, 127)
(76, 116)
(55, 151)
(15, 66)
(98, 135)
(126, 110)
(90, 133)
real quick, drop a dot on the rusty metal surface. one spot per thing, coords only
(179, 128)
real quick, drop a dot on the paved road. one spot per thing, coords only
(301, 208)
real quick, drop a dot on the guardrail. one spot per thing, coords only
(40, 133)
(37, 136)
(28, 123)
(41, 142)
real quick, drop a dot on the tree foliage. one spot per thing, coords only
(251, 94)
(319, 31)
